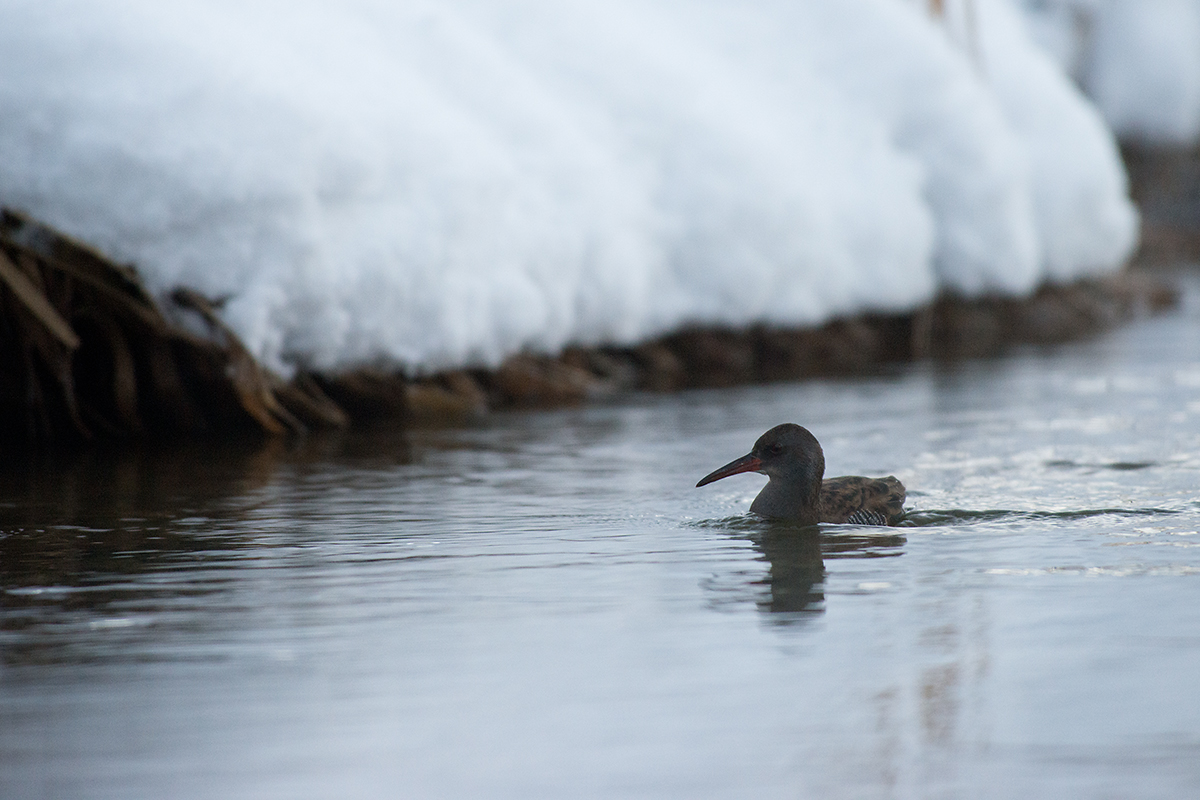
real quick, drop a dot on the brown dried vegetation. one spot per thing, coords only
(85, 352)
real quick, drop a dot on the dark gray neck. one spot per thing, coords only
(794, 496)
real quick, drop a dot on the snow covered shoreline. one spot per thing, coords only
(87, 354)
(437, 186)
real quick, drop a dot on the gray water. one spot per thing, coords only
(544, 607)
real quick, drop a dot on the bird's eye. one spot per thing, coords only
(776, 449)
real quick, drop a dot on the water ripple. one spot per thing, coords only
(955, 516)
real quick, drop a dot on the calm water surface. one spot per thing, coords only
(544, 607)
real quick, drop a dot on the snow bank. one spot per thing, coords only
(436, 184)
(1139, 60)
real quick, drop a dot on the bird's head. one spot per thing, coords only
(787, 452)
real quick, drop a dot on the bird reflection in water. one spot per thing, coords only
(797, 574)
(796, 577)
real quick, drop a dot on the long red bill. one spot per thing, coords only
(748, 463)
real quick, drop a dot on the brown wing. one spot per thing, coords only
(871, 501)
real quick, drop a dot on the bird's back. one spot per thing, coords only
(861, 501)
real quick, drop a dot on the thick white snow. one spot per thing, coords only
(441, 183)
(1138, 59)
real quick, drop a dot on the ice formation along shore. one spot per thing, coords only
(444, 183)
